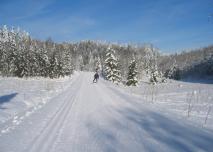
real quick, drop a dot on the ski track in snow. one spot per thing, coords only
(98, 117)
(50, 133)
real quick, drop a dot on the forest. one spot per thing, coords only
(23, 56)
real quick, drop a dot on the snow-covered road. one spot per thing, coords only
(98, 117)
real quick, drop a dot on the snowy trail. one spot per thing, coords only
(51, 131)
(100, 117)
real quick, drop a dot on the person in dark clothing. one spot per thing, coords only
(96, 77)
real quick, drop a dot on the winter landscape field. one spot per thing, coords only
(74, 114)
(106, 76)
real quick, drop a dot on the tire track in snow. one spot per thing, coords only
(48, 136)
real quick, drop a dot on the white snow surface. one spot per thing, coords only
(76, 115)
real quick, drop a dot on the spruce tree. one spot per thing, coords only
(98, 64)
(65, 65)
(54, 66)
(112, 72)
(154, 75)
(132, 74)
(173, 73)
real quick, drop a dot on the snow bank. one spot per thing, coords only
(24, 96)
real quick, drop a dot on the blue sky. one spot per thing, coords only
(171, 25)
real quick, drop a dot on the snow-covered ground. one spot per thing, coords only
(24, 96)
(192, 101)
(77, 115)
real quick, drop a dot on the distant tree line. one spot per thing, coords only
(22, 56)
(194, 63)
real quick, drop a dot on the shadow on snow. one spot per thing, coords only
(149, 130)
(6, 98)
(133, 128)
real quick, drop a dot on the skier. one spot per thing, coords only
(96, 77)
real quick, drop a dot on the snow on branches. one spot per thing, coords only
(22, 56)
(112, 72)
(132, 74)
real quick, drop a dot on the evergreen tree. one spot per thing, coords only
(153, 78)
(22, 59)
(43, 62)
(98, 64)
(173, 73)
(154, 75)
(132, 74)
(80, 63)
(54, 66)
(65, 65)
(21, 64)
(112, 73)
(4, 34)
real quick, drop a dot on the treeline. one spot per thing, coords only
(22, 56)
(194, 63)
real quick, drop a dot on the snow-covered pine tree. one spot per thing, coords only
(173, 72)
(98, 64)
(43, 60)
(65, 64)
(3, 50)
(154, 75)
(132, 74)
(152, 66)
(22, 57)
(80, 63)
(54, 66)
(33, 64)
(6, 51)
(112, 72)
(4, 34)
(11, 50)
